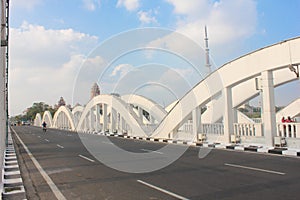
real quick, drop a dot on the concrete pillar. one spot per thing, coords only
(140, 111)
(123, 125)
(113, 115)
(92, 120)
(152, 119)
(65, 122)
(196, 115)
(235, 115)
(62, 121)
(86, 124)
(97, 124)
(269, 119)
(104, 107)
(228, 114)
(118, 121)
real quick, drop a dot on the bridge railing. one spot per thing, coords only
(288, 130)
(248, 129)
(212, 129)
(216, 129)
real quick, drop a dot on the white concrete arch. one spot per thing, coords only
(292, 110)
(76, 112)
(119, 109)
(146, 104)
(37, 120)
(170, 106)
(259, 63)
(47, 117)
(63, 119)
(244, 92)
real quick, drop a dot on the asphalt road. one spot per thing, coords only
(61, 165)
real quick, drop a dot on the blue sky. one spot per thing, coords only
(51, 39)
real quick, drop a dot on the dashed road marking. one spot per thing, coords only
(60, 146)
(86, 158)
(162, 190)
(107, 143)
(48, 180)
(150, 151)
(255, 169)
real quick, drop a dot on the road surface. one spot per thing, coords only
(56, 164)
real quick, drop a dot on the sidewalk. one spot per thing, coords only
(238, 147)
(13, 187)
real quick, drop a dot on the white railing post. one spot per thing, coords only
(288, 130)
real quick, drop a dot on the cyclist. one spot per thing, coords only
(44, 124)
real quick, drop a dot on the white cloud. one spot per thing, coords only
(146, 17)
(91, 5)
(121, 70)
(229, 22)
(130, 5)
(190, 8)
(44, 63)
(28, 4)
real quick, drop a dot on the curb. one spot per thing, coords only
(236, 147)
(13, 187)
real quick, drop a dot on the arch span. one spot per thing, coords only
(244, 92)
(146, 104)
(77, 112)
(37, 120)
(245, 68)
(122, 110)
(47, 117)
(63, 118)
(292, 110)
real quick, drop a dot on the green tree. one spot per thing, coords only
(39, 107)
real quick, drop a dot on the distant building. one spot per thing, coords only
(61, 102)
(115, 94)
(95, 91)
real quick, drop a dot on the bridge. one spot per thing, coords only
(222, 92)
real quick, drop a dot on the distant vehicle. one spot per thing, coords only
(25, 123)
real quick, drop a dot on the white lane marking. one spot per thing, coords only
(163, 190)
(39, 136)
(47, 140)
(147, 150)
(48, 180)
(107, 143)
(86, 158)
(60, 146)
(255, 169)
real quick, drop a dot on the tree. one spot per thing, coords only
(40, 107)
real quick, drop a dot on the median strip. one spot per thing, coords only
(255, 169)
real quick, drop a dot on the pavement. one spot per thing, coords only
(238, 146)
(13, 187)
(56, 165)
